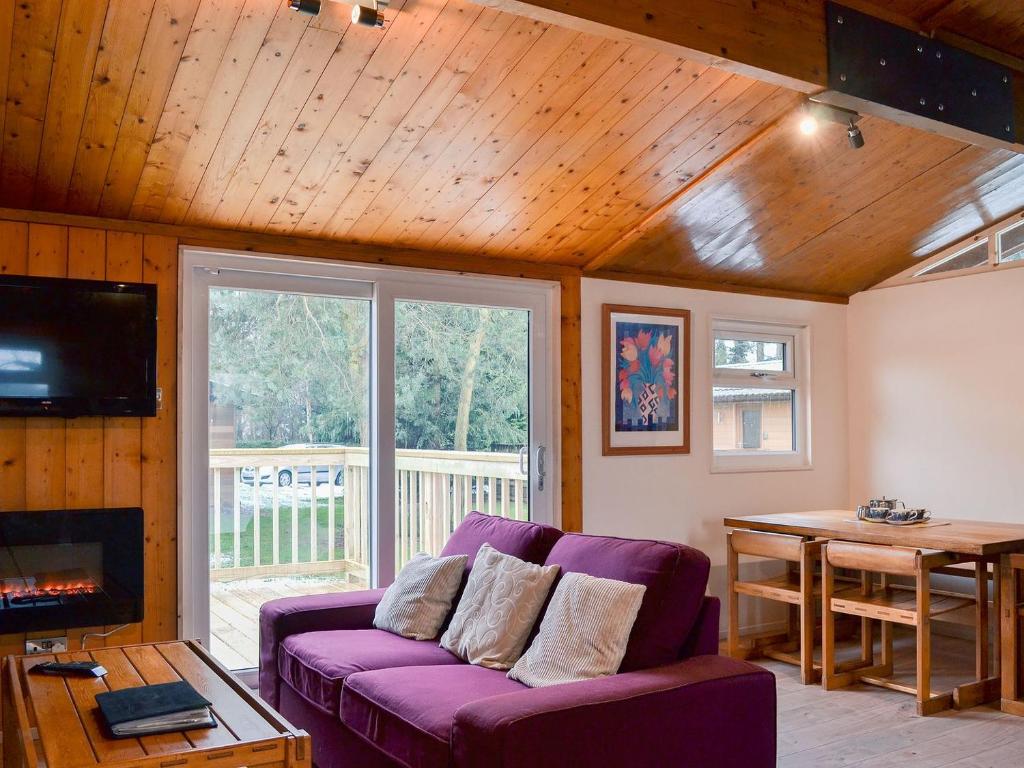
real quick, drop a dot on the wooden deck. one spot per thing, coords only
(870, 727)
(235, 605)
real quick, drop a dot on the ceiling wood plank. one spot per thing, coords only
(474, 50)
(76, 50)
(446, 33)
(523, 35)
(201, 60)
(169, 28)
(36, 25)
(533, 116)
(545, 63)
(777, 41)
(683, 167)
(401, 40)
(293, 57)
(702, 97)
(124, 33)
(294, 93)
(246, 43)
(7, 10)
(256, 206)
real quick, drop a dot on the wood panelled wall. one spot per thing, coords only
(50, 463)
(108, 462)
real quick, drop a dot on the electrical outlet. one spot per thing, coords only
(46, 645)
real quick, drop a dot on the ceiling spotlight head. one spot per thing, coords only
(368, 17)
(855, 136)
(808, 125)
(311, 7)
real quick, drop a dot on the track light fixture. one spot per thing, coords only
(310, 7)
(370, 16)
(816, 112)
(854, 135)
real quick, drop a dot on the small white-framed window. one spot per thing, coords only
(1011, 244)
(759, 396)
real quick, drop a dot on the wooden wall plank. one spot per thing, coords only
(159, 450)
(45, 437)
(36, 24)
(13, 261)
(77, 46)
(87, 259)
(7, 10)
(571, 404)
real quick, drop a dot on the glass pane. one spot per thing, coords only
(1011, 244)
(754, 419)
(975, 256)
(749, 355)
(289, 463)
(462, 394)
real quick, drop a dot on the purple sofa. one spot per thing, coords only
(371, 699)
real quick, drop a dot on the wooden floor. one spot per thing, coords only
(235, 605)
(871, 727)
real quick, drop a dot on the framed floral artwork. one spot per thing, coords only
(646, 384)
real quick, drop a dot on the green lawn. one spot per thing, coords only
(227, 539)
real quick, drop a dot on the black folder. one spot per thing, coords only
(154, 709)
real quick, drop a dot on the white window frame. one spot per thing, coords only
(794, 376)
(919, 272)
(199, 268)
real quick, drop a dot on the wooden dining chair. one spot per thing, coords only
(797, 587)
(889, 603)
(1012, 693)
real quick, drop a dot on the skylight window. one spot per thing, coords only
(1011, 244)
(973, 256)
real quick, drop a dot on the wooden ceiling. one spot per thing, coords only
(458, 128)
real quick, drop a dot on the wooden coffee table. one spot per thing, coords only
(53, 722)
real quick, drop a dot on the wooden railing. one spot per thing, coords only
(434, 491)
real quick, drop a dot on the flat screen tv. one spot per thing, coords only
(77, 348)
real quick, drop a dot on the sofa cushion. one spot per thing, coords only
(676, 577)
(528, 541)
(420, 598)
(408, 713)
(316, 664)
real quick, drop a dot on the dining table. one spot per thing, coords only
(992, 542)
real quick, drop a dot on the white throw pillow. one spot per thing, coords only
(584, 632)
(498, 609)
(416, 604)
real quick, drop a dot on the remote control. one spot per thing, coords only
(70, 669)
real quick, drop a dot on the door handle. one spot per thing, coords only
(541, 466)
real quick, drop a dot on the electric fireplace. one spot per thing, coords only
(70, 568)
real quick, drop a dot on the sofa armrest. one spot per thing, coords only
(704, 711)
(703, 640)
(295, 615)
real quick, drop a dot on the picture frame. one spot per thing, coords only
(645, 390)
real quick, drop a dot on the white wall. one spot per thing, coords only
(677, 497)
(936, 406)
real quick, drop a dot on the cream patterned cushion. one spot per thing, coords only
(502, 601)
(583, 634)
(416, 604)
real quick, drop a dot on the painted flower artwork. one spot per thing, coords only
(648, 395)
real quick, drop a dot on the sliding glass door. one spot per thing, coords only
(307, 384)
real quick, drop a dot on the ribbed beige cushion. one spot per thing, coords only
(583, 634)
(416, 604)
(501, 603)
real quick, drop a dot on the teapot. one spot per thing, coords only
(878, 509)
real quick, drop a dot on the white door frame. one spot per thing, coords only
(201, 268)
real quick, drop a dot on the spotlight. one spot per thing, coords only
(368, 17)
(855, 136)
(808, 125)
(311, 7)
